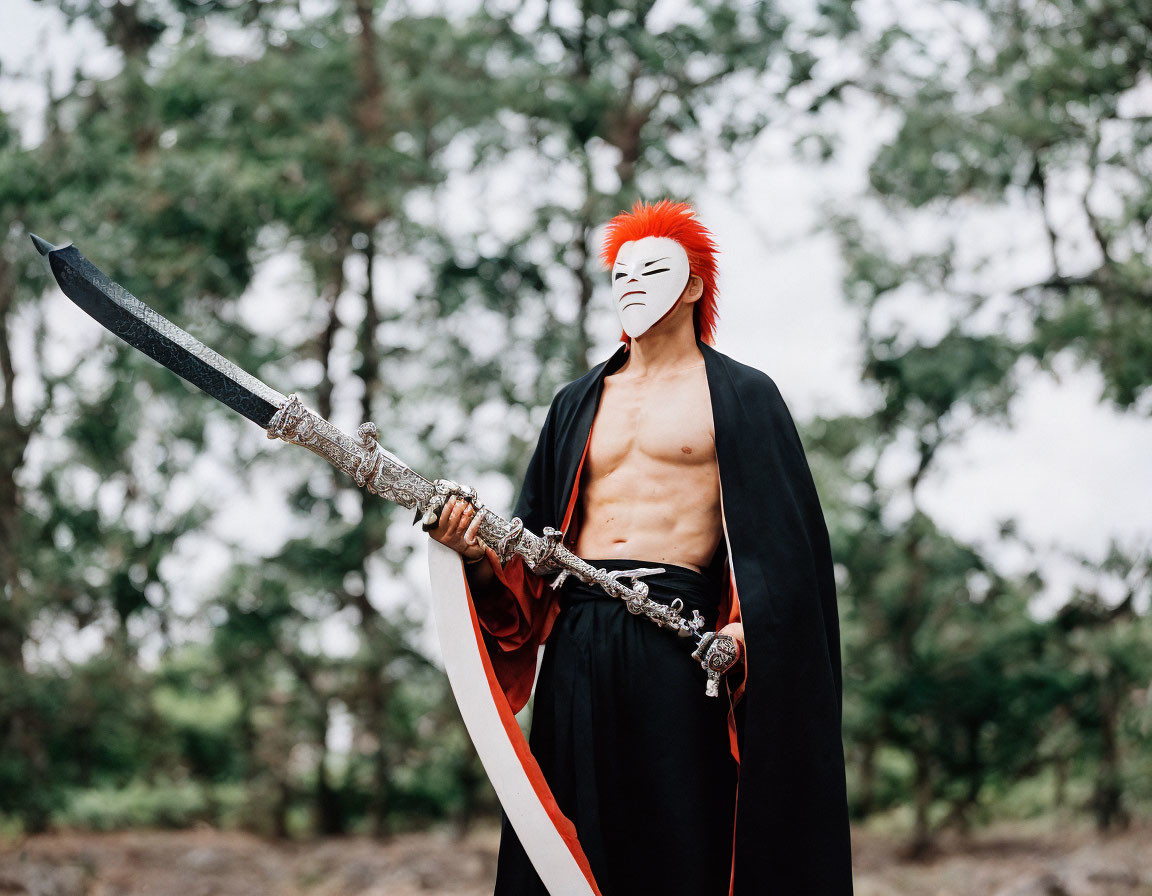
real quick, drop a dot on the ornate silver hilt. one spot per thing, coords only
(717, 653)
(429, 518)
(382, 473)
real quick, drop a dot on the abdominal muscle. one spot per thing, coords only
(652, 531)
(650, 489)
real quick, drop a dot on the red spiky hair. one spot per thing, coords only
(676, 221)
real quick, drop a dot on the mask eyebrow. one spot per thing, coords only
(653, 261)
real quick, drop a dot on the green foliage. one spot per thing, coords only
(151, 804)
(139, 804)
(926, 383)
(1008, 191)
(371, 147)
(1033, 110)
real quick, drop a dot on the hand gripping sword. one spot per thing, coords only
(361, 457)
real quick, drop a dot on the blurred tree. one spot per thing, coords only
(355, 127)
(1106, 649)
(437, 181)
(1009, 193)
(942, 662)
(1039, 113)
(103, 443)
(22, 183)
(87, 525)
(324, 139)
(601, 104)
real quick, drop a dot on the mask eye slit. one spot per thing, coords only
(620, 274)
(657, 271)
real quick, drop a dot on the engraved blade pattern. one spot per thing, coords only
(119, 311)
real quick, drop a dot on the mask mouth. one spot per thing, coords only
(630, 304)
(634, 292)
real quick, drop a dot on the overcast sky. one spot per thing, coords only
(1072, 471)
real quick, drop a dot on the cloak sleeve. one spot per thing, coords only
(792, 814)
(516, 610)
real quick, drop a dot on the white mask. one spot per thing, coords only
(648, 277)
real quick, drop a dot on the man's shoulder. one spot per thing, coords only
(744, 378)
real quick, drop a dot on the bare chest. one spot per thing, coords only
(666, 423)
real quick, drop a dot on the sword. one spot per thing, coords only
(362, 457)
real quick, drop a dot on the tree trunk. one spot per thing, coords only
(866, 796)
(280, 809)
(13, 442)
(1108, 798)
(21, 728)
(584, 226)
(373, 511)
(921, 843)
(332, 291)
(1060, 790)
(329, 812)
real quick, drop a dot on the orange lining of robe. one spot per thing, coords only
(537, 607)
(563, 826)
(732, 602)
(730, 611)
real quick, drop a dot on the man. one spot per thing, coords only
(672, 456)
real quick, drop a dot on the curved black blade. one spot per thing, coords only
(142, 328)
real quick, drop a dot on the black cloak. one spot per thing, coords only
(791, 826)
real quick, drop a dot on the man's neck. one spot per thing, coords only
(668, 347)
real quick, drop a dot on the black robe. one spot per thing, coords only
(791, 825)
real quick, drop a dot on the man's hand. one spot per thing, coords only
(736, 630)
(458, 528)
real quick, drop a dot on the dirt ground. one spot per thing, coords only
(1003, 862)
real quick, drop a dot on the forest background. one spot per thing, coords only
(935, 223)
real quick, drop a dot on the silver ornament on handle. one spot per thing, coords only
(383, 473)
